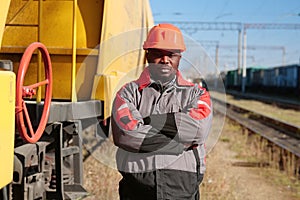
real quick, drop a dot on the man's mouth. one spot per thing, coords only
(165, 70)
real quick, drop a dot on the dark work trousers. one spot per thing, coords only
(176, 184)
(132, 190)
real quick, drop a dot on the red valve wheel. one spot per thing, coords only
(27, 91)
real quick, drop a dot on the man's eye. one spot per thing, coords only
(155, 54)
(160, 54)
(174, 55)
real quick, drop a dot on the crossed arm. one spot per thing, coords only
(169, 133)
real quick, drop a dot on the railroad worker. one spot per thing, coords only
(160, 122)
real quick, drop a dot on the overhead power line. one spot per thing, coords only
(197, 25)
(271, 26)
(193, 27)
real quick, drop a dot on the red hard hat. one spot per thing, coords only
(165, 36)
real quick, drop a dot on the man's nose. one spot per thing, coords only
(165, 59)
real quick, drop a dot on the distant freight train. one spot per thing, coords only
(282, 80)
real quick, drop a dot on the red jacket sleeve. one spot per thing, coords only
(195, 121)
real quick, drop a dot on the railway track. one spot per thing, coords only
(280, 137)
(278, 101)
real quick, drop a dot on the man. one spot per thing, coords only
(160, 123)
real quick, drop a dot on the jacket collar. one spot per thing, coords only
(144, 80)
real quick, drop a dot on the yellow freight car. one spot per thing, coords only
(71, 55)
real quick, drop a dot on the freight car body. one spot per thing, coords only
(281, 80)
(94, 47)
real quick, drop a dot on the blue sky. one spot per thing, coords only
(274, 47)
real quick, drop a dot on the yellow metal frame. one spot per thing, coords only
(7, 126)
(73, 32)
(4, 6)
(73, 84)
(74, 38)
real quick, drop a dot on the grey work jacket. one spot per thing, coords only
(190, 109)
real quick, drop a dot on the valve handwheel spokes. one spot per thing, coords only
(30, 90)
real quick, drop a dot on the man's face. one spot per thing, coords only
(163, 64)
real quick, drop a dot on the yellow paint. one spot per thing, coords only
(54, 28)
(3, 14)
(39, 70)
(95, 47)
(124, 29)
(74, 45)
(7, 126)
(73, 36)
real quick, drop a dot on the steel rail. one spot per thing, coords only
(284, 135)
(280, 102)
